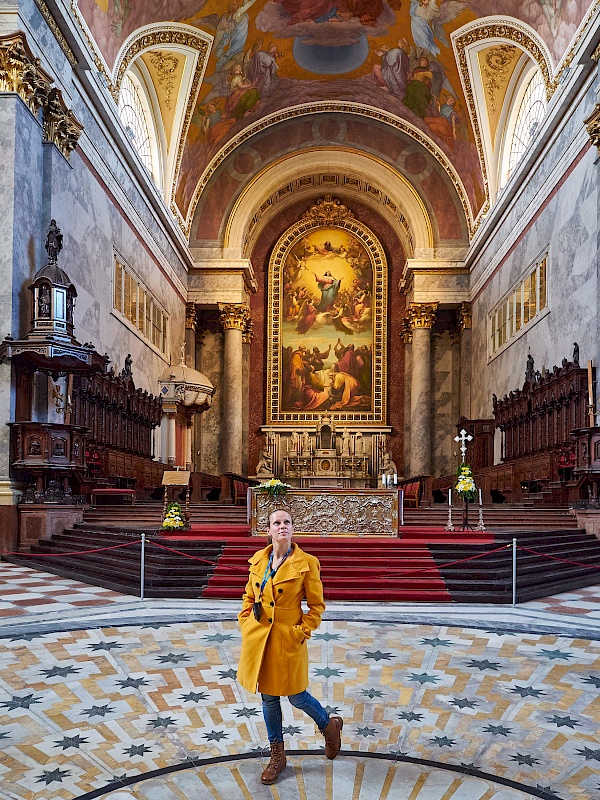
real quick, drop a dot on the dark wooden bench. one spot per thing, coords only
(234, 488)
(112, 492)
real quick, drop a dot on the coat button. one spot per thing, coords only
(270, 620)
(257, 584)
(271, 603)
(280, 591)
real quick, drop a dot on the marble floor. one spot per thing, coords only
(103, 695)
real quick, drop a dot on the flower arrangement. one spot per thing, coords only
(173, 518)
(273, 488)
(465, 485)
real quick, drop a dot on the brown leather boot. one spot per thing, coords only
(275, 765)
(333, 736)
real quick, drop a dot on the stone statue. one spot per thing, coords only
(293, 445)
(388, 467)
(359, 445)
(53, 241)
(265, 462)
(530, 372)
(44, 301)
(345, 442)
(575, 354)
(306, 442)
(126, 371)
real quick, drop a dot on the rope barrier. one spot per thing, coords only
(451, 563)
(72, 553)
(197, 558)
(555, 558)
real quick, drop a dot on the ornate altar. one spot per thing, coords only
(332, 512)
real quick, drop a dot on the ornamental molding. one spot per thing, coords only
(191, 316)
(592, 124)
(405, 331)
(58, 35)
(61, 127)
(165, 65)
(321, 107)
(496, 71)
(21, 72)
(422, 315)
(234, 316)
(353, 183)
(327, 210)
(248, 333)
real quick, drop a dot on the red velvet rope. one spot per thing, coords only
(555, 558)
(76, 553)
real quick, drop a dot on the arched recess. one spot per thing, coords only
(341, 107)
(347, 174)
(493, 54)
(174, 56)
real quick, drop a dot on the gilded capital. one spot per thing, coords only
(422, 315)
(592, 123)
(464, 317)
(248, 330)
(21, 72)
(61, 127)
(191, 316)
(234, 315)
(405, 331)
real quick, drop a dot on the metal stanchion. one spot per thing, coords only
(449, 526)
(514, 572)
(142, 565)
(401, 506)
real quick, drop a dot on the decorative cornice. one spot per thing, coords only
(421, 315)
(191, 316)
(465, 317)
(343, 107)
(405, 331)
(248, 331)
(21, 72)
(58, 35)
(592, 124)
(328, 209)
(596, 54)
(234, 315)
(61, 127)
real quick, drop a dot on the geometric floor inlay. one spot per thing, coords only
(81, 710)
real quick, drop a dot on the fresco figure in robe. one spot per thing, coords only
(328, 287)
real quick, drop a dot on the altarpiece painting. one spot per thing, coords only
(327, 327)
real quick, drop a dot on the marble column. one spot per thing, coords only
(190, 335)
(406, 336)
(464, 326)
(248, 335)
(421, 317)
(233, 320)
(171, 439)
(164, 440)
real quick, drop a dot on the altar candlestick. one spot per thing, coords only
(480, 497)
(449, 497)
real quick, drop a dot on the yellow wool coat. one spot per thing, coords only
(274, 657)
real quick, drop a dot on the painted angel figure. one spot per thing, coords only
(427, 21)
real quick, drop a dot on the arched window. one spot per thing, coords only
(136, 117)
(530, 113)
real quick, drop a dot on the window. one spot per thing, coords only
(531, 112)
(138, 305)
(136, 117)
(522, 305)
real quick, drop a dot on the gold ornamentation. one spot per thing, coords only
(405, 331)
(96, 54)
(61, 127)
(596, 54)
(320, 107)
(21, 72)
(234, 315)
(166, 65)
(248, 331)
(64, 45)
(328, 210)
(465, 317)
(191, 316)
(350, 183)
(306, 225)
(592, 124)
(496, 70)
(422, 315)
(323, 513)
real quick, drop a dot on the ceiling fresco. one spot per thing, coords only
(270, 55)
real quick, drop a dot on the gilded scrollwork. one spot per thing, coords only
(58, 35)
(496, 70)
(421, 315)
(592, 124)
(61, 127)
(465, 316)
(234, 316)
(248, 331)
(405, 331)
(351, 513)
(166, 66)
(21, 72)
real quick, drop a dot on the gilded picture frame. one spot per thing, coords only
(327, 326)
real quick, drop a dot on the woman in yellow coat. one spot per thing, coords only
(274, 657)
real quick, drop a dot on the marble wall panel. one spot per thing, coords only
(210, 363)
(444, 403)
(567, 226)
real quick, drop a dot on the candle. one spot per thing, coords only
(449, 497)
(480, 497)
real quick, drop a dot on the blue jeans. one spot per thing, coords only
(304, 701)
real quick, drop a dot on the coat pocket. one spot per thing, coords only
(293, 640)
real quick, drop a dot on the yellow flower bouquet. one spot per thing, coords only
(273, 488)
(465, 485)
